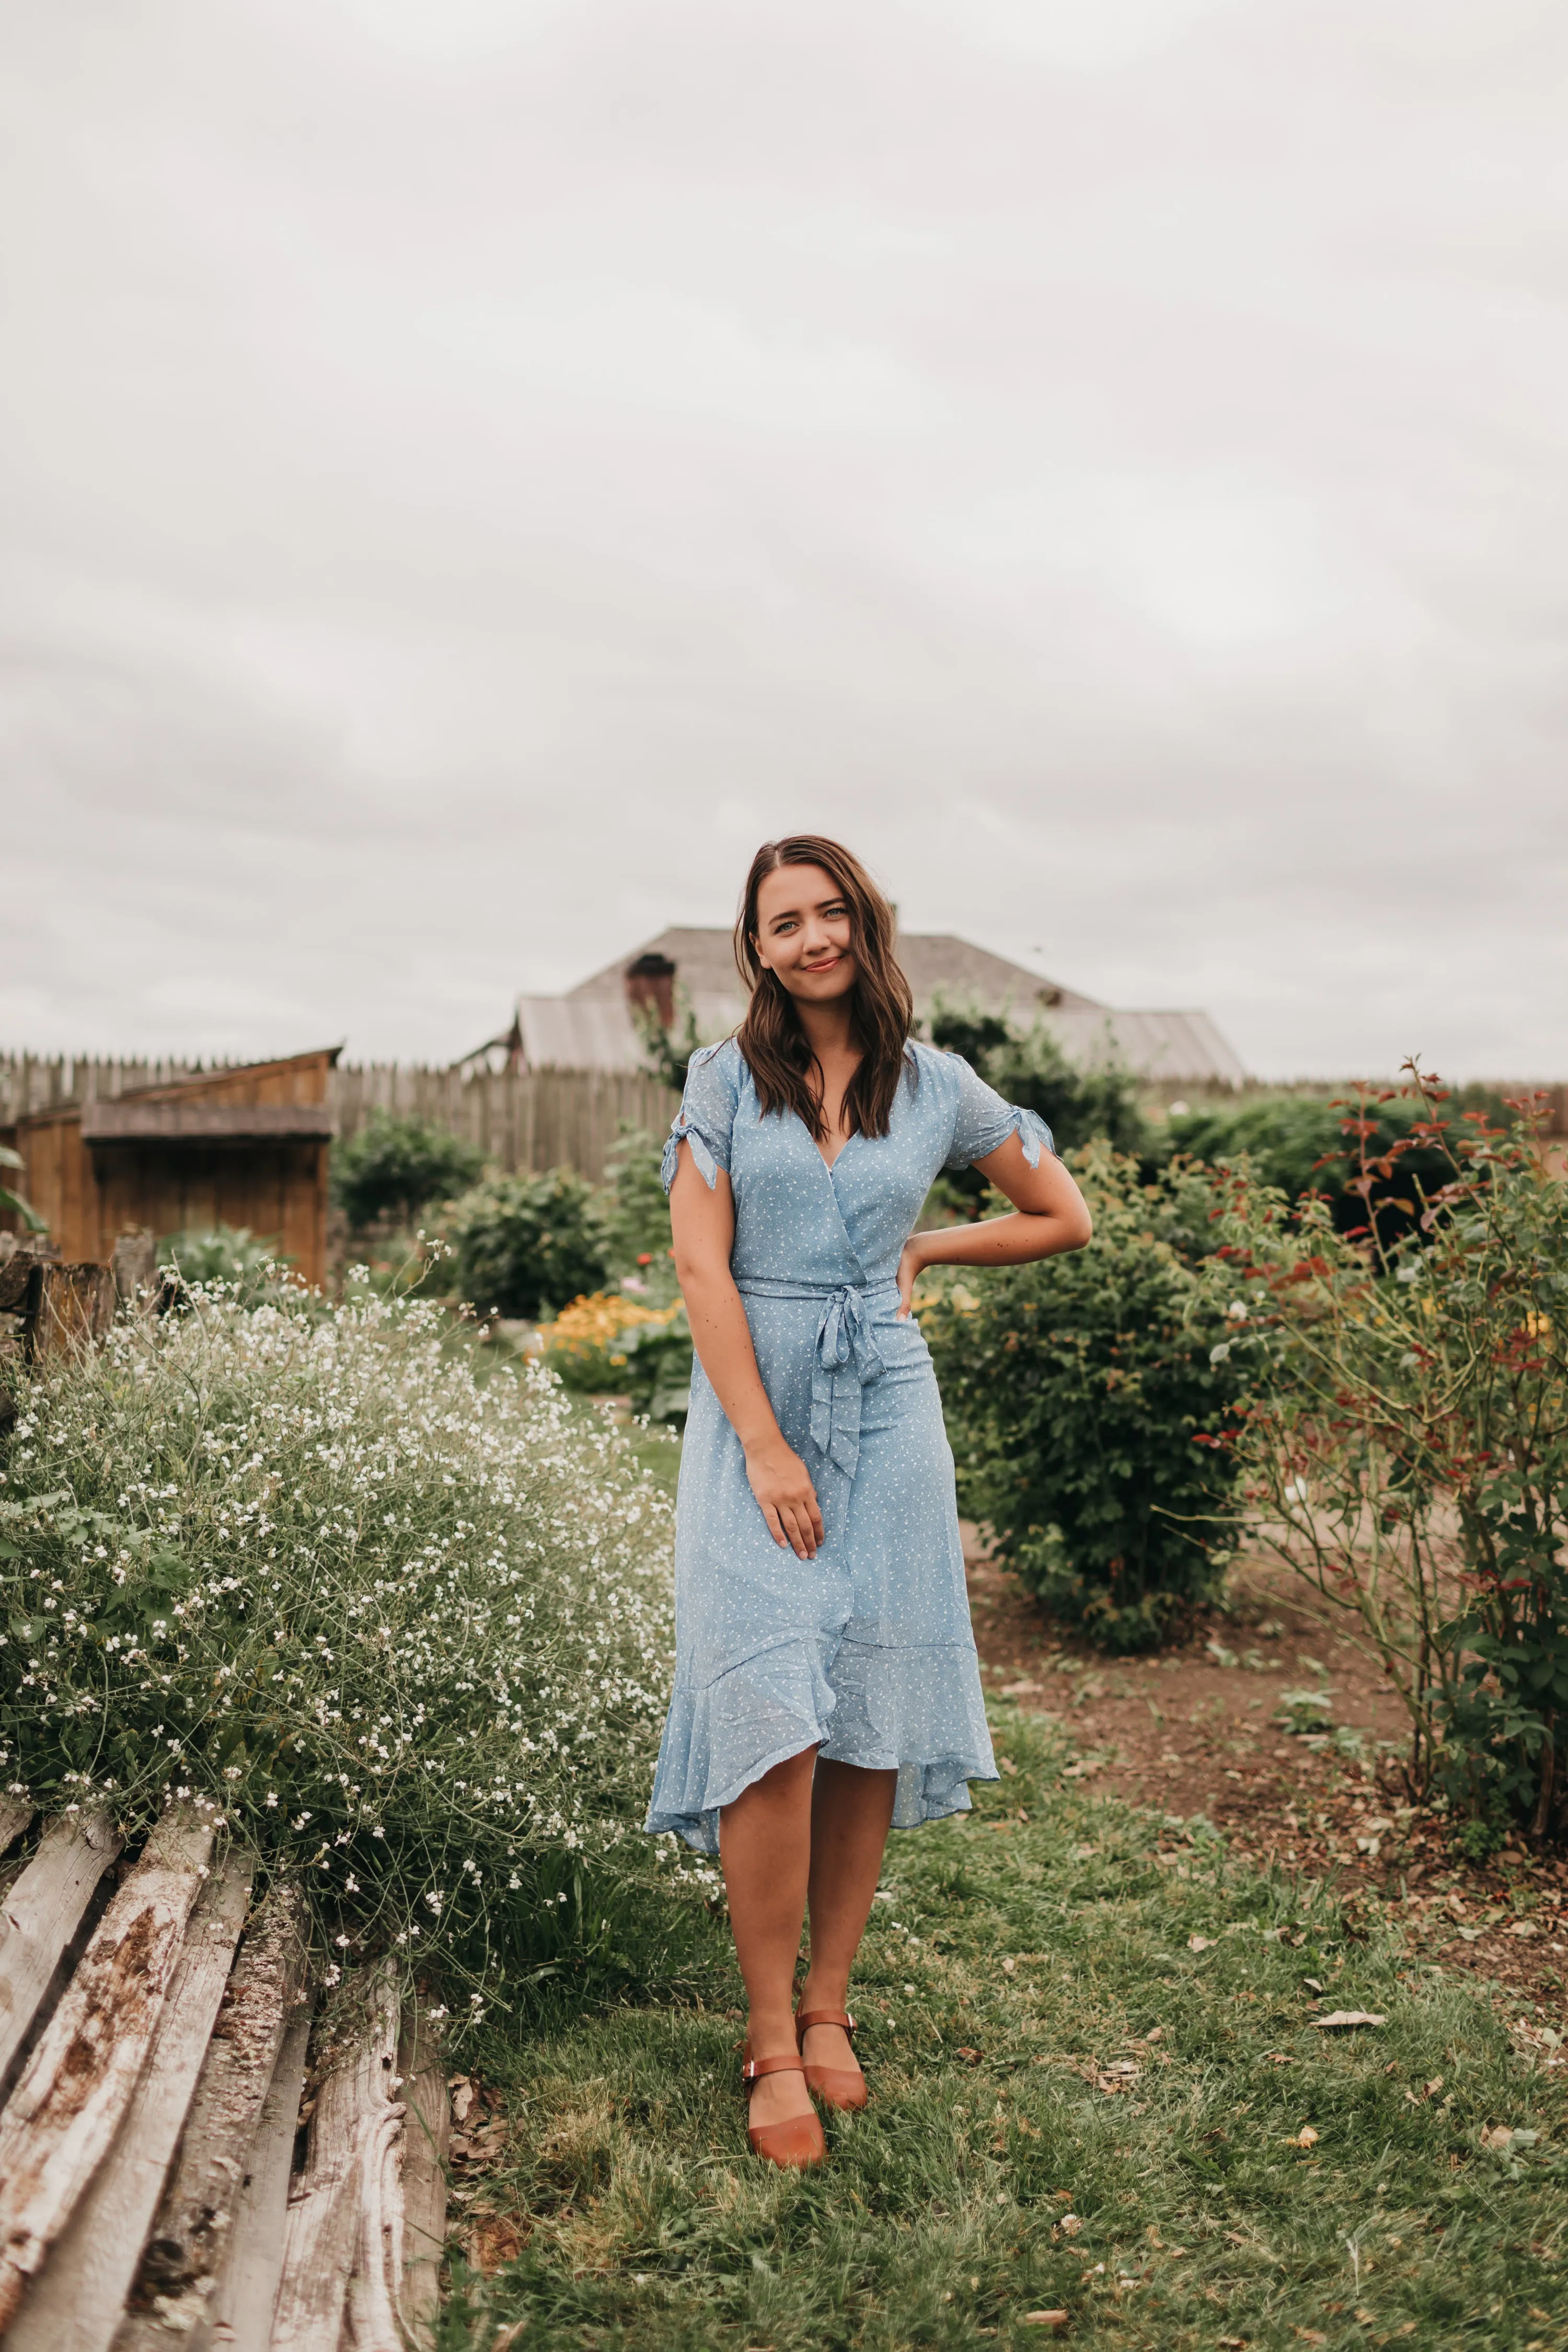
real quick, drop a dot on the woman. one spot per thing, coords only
(827, 1686)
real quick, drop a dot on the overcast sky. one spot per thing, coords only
(471, 468)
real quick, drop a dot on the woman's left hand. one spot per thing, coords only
(912, 1266)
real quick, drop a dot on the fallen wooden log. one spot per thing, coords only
(77, 2303)
(62, 2117)
(247, 2289)
(353, 2136)
(16, 1812)
(427, 2128)
(40, 1914)
(190, 2235)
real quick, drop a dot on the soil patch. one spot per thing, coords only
(1199, 1732)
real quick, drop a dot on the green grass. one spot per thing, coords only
(1052, 1947)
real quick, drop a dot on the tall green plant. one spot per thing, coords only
(1083, 1395)
(1406, 1445)
(634, 1212)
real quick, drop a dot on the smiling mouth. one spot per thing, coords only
(814, 967)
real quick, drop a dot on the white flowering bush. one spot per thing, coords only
(407, 1632)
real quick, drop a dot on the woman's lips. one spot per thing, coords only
(814, 970)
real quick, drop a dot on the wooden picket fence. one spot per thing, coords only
(519, 1118)
(157, 2059)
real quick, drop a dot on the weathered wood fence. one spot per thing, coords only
(519, 1118)
(156, 2050)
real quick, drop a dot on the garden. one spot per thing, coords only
(1232, 2014)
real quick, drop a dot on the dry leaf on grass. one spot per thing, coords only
(969, 2057)
(1305, 2138)
(465, 2097)
(1200, 1943)
(1339, 2016)
(1045, 2319)
(492, 2239)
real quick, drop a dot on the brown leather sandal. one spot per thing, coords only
(834, 2085)
(796, 2142)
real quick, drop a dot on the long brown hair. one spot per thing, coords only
(776, 1048)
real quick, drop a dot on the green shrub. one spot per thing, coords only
(1085, 1398)
(1330, 1144)
(408, 1635)
(524, 1245)
(1406, 1446)
(396, 1167)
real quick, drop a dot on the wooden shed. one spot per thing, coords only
(234, 1147)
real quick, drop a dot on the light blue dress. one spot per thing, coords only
(864, 1652)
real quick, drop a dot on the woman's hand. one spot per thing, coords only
(785, 1496)
(912, 1266)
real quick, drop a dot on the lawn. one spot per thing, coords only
(1098, 2089)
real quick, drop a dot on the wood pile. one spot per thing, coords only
(165, 2184)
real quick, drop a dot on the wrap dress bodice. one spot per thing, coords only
(864, 1652)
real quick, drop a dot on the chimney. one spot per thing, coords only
(650, 980)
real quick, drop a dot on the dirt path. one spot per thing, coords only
(1200, 1731)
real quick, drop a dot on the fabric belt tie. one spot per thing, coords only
(844, 1361)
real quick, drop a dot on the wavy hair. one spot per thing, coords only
(776, 1048)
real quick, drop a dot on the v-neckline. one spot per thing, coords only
(829, 1164)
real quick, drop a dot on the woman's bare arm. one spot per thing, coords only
(1048, 1215)
(704, 1224)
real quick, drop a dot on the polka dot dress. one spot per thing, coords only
(864, 1652)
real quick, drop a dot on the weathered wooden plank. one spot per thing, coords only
(62, 2117)
(77, 2302)
(376, 2282)
(75, 1308)
(16, 1812)
(427, 2128)
(246, 2291)
(354, 2122)
(188, 2240)
(42, 1912)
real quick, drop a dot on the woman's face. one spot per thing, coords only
(804, 933)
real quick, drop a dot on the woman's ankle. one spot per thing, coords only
(820, 1993)
(771, 2033)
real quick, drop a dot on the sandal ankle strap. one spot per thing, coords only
(805, 2018)
(756, 2067)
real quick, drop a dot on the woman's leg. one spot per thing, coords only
(851, 1811)
(764, 1846)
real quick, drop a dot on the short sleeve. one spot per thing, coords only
(984, 1121)
(706, 1117)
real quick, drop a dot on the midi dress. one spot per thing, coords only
(864, 1652)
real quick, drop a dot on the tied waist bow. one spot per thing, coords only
(845, 1359)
